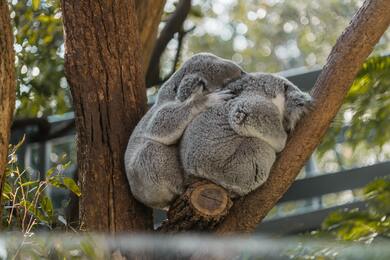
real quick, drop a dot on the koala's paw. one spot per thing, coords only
(239, 115)
(219, 97)
(191, 87)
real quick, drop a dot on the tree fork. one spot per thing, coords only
(200, 208)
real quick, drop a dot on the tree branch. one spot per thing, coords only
(173, 25)
(180, 38)
(149, 16)
(344, 62)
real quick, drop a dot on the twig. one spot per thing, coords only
(173, 26)
(180, 39)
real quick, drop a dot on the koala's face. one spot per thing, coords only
(217, 72)
(284, 94)
(297, 103)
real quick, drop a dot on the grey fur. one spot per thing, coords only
(234, 144)
(151, 159)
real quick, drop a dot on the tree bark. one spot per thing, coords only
(200, 208)
(102, 66)
(344, 61)
(149, 16)
(7, 86)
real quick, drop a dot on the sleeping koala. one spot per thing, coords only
(234, 144)
(151, 158)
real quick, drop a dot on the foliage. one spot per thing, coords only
(261, 36)
(271, 35)
(363, 225)
(26, 204)
(275, 35)
(41, 88)
(364, 117)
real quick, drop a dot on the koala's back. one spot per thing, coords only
(211, 149)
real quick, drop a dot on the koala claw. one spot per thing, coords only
(198, 90)
(219, 97)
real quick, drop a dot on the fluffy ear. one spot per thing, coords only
(188, 85)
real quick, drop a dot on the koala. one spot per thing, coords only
(234, 144)
(152, 162)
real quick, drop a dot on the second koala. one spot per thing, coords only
(234, 144)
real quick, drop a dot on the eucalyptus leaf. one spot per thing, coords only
(35, 4)
(72, 186)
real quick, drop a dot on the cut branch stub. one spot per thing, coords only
(201, 207)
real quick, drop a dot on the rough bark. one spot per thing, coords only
(102, 66)
(173, 25)
(7, 86)
(149, 16)
(344, 61)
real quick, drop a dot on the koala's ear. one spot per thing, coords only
(286, 87)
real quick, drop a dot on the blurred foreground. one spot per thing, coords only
(65, 246)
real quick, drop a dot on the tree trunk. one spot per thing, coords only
(149, 16)
(344, 62)
(102, 66)
(7, 86)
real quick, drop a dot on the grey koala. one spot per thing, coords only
(234, 144)
(152, 162)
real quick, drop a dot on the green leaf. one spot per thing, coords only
(72, 186)
(56, 182)
(47, 206)
(29, 183)
(7, 188)
(36, 4)
(196, 12)
(33, 210)
(50, 172)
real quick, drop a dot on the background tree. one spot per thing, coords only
(149, 15)
(42, 88)
(7, 86)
